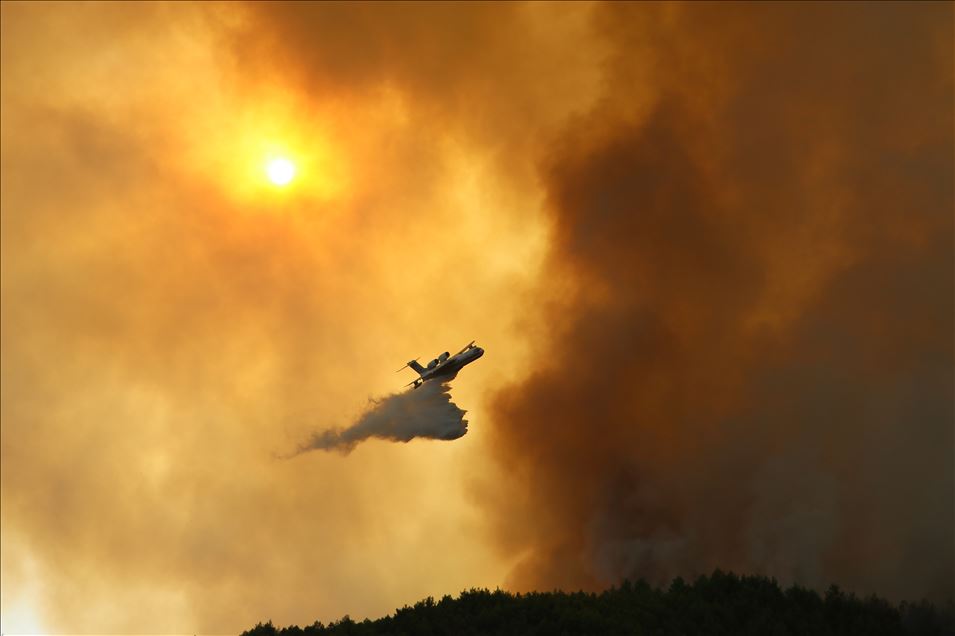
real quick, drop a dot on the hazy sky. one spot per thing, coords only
(708, 250)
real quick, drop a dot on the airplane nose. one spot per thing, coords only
(480, 352)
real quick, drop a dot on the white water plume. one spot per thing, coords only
(426, 412)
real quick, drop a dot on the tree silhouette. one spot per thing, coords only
(722, 603)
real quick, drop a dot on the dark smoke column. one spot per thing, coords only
(755, 370)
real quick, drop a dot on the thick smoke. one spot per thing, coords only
(744, 344)
(750, 349)
(426, 412)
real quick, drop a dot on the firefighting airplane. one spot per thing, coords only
(445, 366)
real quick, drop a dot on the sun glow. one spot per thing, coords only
(280, 171)
(268, 151)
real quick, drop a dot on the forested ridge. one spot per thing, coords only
(722, 603)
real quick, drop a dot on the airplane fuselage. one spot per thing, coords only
(448, 369)
(445, 367)
(452, 365)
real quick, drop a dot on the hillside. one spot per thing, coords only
(718, 604)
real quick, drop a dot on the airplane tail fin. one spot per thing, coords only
(417, 367)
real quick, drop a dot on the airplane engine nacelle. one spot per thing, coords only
(433, 363)
(444, 356)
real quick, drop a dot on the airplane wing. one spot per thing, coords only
(469, 345)
(407, 364)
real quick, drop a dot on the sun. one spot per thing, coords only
(280, 171)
